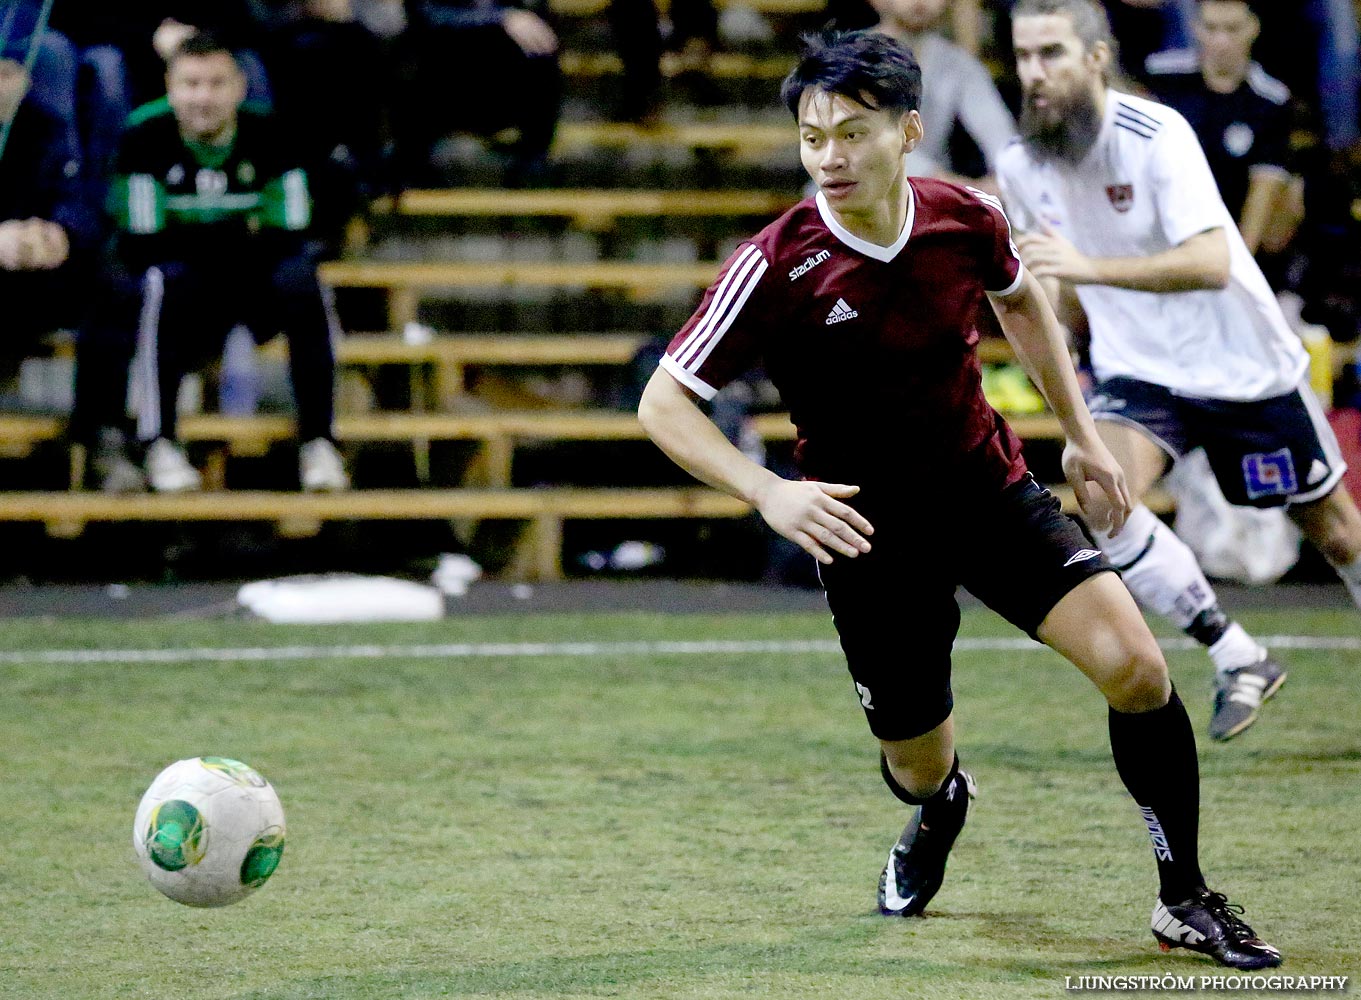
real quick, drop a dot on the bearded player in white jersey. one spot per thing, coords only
(1114, 198)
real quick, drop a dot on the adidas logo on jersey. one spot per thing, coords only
(841, 312)
(809, 264)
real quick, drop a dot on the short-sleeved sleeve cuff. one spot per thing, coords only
(696, 385)
(1012, 288)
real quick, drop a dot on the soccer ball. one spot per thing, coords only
(209, 831)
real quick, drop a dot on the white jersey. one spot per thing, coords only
(1144, 188)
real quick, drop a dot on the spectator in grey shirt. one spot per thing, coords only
(956, 87)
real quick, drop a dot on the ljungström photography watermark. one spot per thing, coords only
(1191, 984)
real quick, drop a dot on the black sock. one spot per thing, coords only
(1209, 626)
(1155, 753)
(940, 805)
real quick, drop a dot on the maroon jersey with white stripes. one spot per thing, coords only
(872, 348)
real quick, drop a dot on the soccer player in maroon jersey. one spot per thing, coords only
(861, 304)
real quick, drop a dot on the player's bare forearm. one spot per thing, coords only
(1201, 262)
(1033, 330)
(1041, 346)
(809, 514)
(690, 439)
(1198, 263)
(1266, 188)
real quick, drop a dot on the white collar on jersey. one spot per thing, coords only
(869, 249)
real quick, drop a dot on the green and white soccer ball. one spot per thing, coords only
(209, 831)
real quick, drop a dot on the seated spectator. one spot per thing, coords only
(48, 54)
(44, 228)
(1240, 114)
(956, 88)
(321, 64)
(641, 37)
(118, 56)
(478, 66)
(1147, 26)
(212, 214)
(143, 33)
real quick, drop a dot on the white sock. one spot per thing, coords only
(1351, 576)
(1164, 576)
(1235, 649)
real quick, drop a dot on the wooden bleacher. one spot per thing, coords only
(721, 65)
(537, 556)
(588, 208)
(748, 137)
(440, 368)
(498, 433)
(405, 283)
(543, 510)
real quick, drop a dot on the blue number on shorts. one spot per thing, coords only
(1270, 474)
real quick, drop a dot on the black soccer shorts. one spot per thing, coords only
(1266, 453)
(894, 607)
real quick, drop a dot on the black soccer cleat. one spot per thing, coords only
(916, 865)
(1209, 923)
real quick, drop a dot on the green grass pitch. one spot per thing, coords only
(663, 826)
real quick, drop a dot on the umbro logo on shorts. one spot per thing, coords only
(841, 312)
(1081, 555)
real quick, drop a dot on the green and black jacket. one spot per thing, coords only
(244, 204)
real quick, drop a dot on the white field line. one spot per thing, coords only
(494, 650)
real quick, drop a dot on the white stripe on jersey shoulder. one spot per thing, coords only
(696, 385)
(1265, 85)
(727, 302)
(720, 295)
(872, 250)
(1172, 61)
(987, 199)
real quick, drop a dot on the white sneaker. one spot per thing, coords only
(168, 470)
(320, 467)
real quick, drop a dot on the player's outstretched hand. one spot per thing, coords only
(1106, 506)
(1049, 255)
(812, 516)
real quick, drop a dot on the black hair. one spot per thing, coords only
(867, 66)
(201, 43)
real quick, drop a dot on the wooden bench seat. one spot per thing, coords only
(590, 208)
(537, 555)
(406, 282)
(498, 431)
(735, 137)
(538, 551)
(720, 65)
(439, 366)
(21, 433)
